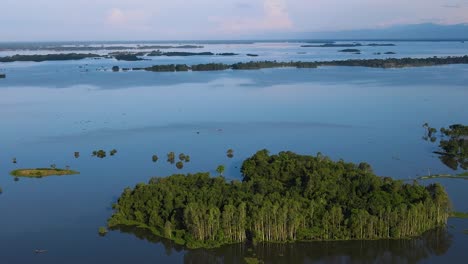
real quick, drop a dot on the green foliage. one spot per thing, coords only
(181, 156)
(113, 152)
(99, 153)
(350, 50)
(459, 215)
(41, 172)
(180, 165)
(127, 57)
(220, 169)
(155, 158)
(453, 145)
(48, 57)
(102, 231)
(171, 157)
(284, 197)
(255, 65)
(230, 153)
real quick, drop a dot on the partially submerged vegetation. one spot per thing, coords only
(453, 145)
(459, 215)
(255, 65)
(282, 198)
(463, 176)
(42, 172)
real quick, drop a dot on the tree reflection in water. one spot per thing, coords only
(433, 243)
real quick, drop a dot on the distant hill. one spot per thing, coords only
(418, 31)
(426, 31)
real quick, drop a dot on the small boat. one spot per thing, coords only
(40, 251)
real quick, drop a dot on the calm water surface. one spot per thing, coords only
(50, 110)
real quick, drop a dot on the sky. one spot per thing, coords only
(43, 20)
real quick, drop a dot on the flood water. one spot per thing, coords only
(49, 110)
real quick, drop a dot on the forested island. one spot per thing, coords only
(282, 198)
(347, 45)
(42, 172)
(48, 57)
(255, 65)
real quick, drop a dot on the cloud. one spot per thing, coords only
(129, 19)
(452, 6)
(274, 17)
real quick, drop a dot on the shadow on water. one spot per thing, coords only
(433, 243)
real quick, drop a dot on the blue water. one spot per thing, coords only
(49, 110)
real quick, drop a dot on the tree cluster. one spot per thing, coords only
(284, 197)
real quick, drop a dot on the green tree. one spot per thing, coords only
(220, 169)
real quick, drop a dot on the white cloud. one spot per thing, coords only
(275, 17)
(129, 19)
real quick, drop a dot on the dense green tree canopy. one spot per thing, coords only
(284, 197)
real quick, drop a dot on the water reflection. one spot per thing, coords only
(433, 243)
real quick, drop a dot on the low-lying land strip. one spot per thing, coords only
(42, 172)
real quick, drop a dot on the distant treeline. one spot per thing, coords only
(96, 48)
(48, 57)
(284, 197)
(347, 45)
(255, 65)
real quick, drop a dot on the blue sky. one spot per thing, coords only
(211, 19)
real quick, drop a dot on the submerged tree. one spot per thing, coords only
(155, 158)
(180, 165)
(171, 157)
(220, 169)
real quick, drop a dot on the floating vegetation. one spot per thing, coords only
(155, 158)
(14, 160)
(99, 153)
(77, 154)
(187, 158)
(230, 153)
(113, 152)
(41, 172)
